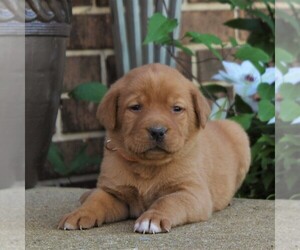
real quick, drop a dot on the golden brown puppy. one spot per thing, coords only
(164, 163)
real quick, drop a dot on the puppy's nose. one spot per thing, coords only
(158, 133)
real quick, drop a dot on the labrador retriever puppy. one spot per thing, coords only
(164, 162)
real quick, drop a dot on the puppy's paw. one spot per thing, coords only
(79, 219)
(151, 222)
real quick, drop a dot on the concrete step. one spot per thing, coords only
(246, 224)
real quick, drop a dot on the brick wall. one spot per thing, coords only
(90, 57)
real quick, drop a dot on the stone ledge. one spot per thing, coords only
(247, 224)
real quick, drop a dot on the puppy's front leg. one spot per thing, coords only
(175, 209)
(98, 208)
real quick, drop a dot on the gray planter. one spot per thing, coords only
(12, 94)
(47, 25)
(46, 34)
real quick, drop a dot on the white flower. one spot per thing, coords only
(278, 79)
(272, 121)
(296, 121)
(245, 79)
(292, 76)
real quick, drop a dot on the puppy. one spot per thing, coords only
(164, 162)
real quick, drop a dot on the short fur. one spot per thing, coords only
(195, 171)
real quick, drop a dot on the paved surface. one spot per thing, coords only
(287, 224)
(247, 224)
(12, 218)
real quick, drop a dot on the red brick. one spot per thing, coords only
(70, 150)
(111, 70)
(81, 69)
(243, 34)
(102, 3)
(81, 2)
(91, 32)
(209, 65)
(207, 22)
(184, 64)
(79, 116)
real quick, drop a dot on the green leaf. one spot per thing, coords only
(250, 24)
(263, 41)
(265, 18)
(293, 140)
(266, 91)
(269, 1)
(159, 28)
(291, 180)
(82, 159)
(90, 91)
(242, 4)
(293, 21)
(282, 67)
(233, 42)
(255, 55)
(215, 52)
(267, 180)
(260, 68)
(208, 40)
(270, 140)
(289, 91)
(244, 120)
(204, 38)
(56, 159)
(186, 50)
(289, 110)
(266, 110)
(283, 55)
(252, 178)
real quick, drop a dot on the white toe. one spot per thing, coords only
(146, 227)
(136, 226)
(68, 226)
(154, 228)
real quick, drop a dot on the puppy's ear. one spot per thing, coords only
(108, 108)
(201, 108)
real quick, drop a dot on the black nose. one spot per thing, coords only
(158, 133)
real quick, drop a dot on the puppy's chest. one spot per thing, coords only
(137, 199)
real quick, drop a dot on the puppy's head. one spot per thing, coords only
(152, 112)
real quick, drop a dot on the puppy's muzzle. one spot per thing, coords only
(157, 133)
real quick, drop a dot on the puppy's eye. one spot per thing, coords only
(177, 109)
(135, 108)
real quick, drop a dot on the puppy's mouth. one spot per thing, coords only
(158, 149)
(151, 151)
(147, 150)
(156, 152)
